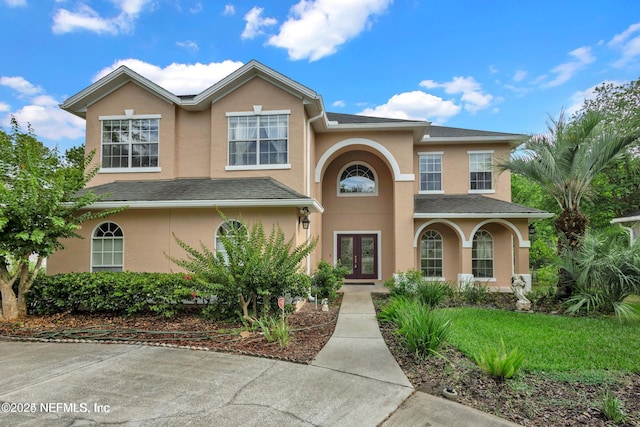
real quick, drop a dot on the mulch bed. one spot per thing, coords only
(310, 329)
(529, 400)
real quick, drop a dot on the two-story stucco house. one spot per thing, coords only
(382, 195)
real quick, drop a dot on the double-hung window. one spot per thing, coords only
(430, 172)
(130, 142)
(259, 140)
(481, 172)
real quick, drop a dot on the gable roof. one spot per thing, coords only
(78, 103)
(201, 192)
(470, 206)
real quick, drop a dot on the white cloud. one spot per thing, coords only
(85, 18)
(316, 28)
(416, 105)
(628, 42)
(339, 103)
(15, 3)
(20, 85)
(229, 10)
(519, 76)
(197, 8)
(189, 45)
(564, 72)
(472, 96)
(255, 23)
(41, 112)
(181, 79)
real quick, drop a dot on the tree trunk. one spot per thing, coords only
(572, 225)
(9, 302)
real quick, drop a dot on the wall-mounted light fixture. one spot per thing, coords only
(532, 230)
(304, 218)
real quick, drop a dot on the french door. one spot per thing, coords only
(359, 253)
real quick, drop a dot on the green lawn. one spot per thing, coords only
(552, 344)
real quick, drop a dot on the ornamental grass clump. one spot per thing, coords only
(612, 408)
(422, 330)
(432, 293)
(498, 363)
(390, 312)
(275, 330)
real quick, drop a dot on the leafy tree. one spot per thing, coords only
(252, 266)
(564, 162)
(39, 205)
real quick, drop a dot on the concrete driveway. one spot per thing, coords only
(76, 384)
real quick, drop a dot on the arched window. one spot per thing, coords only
(357, 179)
(482, 255)
(224, 230)
(107, 248)
(431, 254)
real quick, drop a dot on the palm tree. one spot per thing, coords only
(564, 162)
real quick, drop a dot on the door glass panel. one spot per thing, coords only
(346, 253)
(367, 249)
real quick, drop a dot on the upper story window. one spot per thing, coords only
(107, 248)
(430, 172)
(481, 172)
(259, 140)
(357, 179)
(130, 142)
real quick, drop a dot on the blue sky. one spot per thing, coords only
(501, 65)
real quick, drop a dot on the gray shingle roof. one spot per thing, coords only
(432, 131)
(356, 119)
(449, 132)
(186, 189)
(471, 204)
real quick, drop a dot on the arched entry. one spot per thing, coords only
(357, 194)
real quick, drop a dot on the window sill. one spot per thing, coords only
(484, 279)
(129, 170)
(430, 192)
(256, 167)
(482, 191)
(357, 194)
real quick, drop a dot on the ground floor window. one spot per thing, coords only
(431, 254)
(482, 255)
(223, 230)
(107, 248)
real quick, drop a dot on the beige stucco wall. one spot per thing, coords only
(455, 167)
(358, 213)
(271, 98)
(148, 235)
(133, 97)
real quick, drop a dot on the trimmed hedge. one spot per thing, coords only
(119, 293)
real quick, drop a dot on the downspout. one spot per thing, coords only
(308, 185)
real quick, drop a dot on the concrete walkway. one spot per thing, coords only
(354, 381)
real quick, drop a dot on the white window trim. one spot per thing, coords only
(91, 246)
(426, 153)
(493, 257)
(129, 115)
(441, 279)
(257, 111)
(490, 191)
(375, 177)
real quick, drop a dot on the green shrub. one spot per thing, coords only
(612, 408)
(546, 276)
(498, 363)
(475, 293)
(605, 270)
(327, 280)
(404, 283)
(422, 330)
(431, 293)
(122, 293)
(389, 313)
(275, 330)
